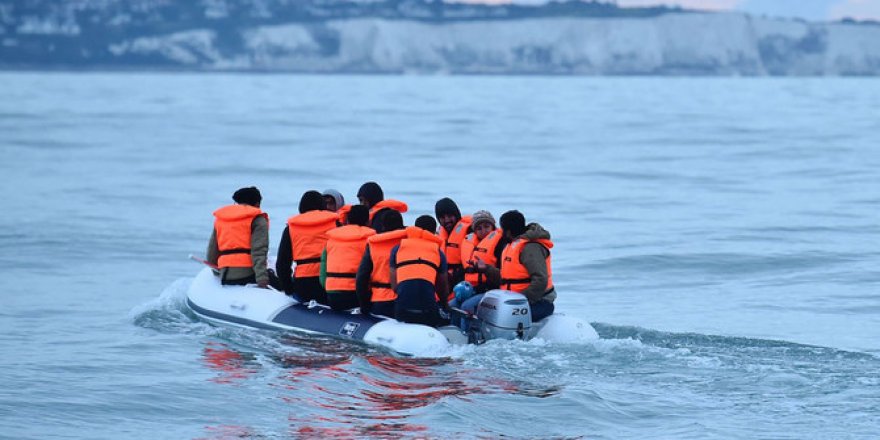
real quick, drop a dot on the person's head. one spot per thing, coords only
(311, 201)
(447, 213)
(391, 221)
(248, 196)
(358, 215)
(513, 223)
(333, 200)
(370, 193)
(427, 223)
(482, 224)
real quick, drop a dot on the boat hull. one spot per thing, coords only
(252, 307)
(249, 306)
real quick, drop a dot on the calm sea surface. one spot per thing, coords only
(722, 236)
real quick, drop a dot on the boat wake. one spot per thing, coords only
(331, 387)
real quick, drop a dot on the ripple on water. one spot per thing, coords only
(719, 263)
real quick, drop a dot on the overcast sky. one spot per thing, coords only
(807, 9)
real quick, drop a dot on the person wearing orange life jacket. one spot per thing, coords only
(484, 245)
(335, 202)
(302, 242)
(418, 275)
(526, 264)
(239, 243)
(342, 257)
(373, 280)
(454, 229)
(371, 195)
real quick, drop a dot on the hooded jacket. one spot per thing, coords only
(534, 258)
(337, 196)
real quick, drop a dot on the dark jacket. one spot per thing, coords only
(284, 261)
(534, 258)
(362, 282)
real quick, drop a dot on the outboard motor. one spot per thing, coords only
(503, 315)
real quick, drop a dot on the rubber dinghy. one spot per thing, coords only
(501, 315)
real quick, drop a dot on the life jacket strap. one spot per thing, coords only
(510, 281)
(515, 280)
(380, 285)
(341, 275)
(418, 261)
(236, 251)
(308, 261)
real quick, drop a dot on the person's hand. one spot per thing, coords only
(479, 264)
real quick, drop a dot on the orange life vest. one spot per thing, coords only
(418, 257)
(396, 205)
(345, 248)
(514, 276)
(308, 235)
(486, 251)
(452, 241)
(467, 248)
(233, 227)
(343, 213)
(380, 254)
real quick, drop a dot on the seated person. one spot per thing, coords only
(418, 275)
(302, 243)
(342, 256)
(526, 266)
(239, 244)
(371, 195)
(373, 280)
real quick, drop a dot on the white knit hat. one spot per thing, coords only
(482, 216)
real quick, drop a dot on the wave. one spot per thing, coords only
(747, 347)
(719, 263)
(341, 389)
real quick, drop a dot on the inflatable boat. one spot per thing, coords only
(501, 315)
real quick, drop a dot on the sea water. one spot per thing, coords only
(721, 235)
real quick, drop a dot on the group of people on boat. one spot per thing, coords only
(363, 256)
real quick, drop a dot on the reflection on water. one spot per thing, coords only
(322, 344)
(413, 367)
(328, 388)
(415, 383)
(231, 366)
(355, 403)
(379, 431)
(373, 394)
(228, 432)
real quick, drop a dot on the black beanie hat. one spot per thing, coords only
(446, 206)
(311, 201)
(372, 192)
(514, 222)
(391, 221)
(248, 196)
(427, 223)
(359, 215)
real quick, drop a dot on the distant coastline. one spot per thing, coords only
(424, 37)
